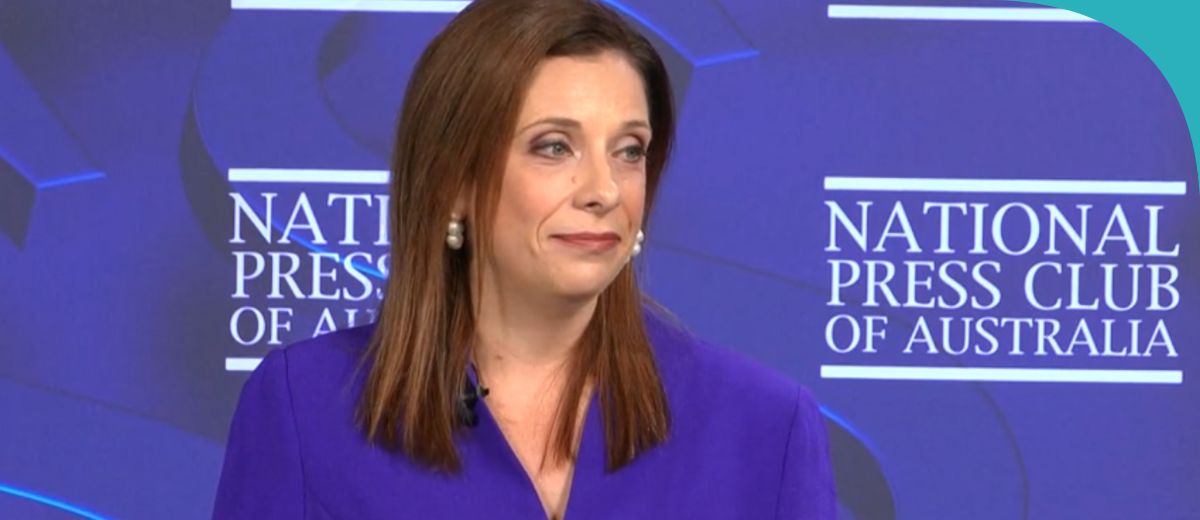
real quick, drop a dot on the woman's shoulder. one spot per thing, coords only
(697, 372)
(735, 416)
(291, 409)
(332, 349)
(314, 365)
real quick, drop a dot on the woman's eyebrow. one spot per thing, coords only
(557, 121)
(576, 125)
(635, 123)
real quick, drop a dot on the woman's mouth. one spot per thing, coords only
(592, 242)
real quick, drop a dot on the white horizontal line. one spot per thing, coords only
(308, 176)
(1027, 375)
(1084, 187)
(389, 6)
(941, 13)
(241, 364)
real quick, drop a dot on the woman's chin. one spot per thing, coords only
(583, 286)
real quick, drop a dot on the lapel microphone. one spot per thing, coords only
(472, 393)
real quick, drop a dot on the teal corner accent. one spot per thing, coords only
(1166, 30)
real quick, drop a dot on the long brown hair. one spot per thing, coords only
(459, 116)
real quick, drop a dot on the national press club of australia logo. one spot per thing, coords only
(1004, 280)
(310, 254)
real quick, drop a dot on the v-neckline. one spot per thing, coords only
(587, 463)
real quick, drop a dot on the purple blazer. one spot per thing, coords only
(745, 443)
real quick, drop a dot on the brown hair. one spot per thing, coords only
(459, 116)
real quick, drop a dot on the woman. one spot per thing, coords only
(531, 141)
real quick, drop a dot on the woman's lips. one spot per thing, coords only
(595, 242)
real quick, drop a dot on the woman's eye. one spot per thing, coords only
(553, 149)
(633, 153)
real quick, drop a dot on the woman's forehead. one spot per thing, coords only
(599, 87)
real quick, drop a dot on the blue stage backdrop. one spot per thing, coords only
(970, 228)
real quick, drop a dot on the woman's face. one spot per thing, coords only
(575, 179)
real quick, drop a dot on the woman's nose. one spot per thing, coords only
(597, 190)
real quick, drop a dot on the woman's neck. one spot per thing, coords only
(523, 345)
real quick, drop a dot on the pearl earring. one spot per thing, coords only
(454, 234)
(637, 246)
